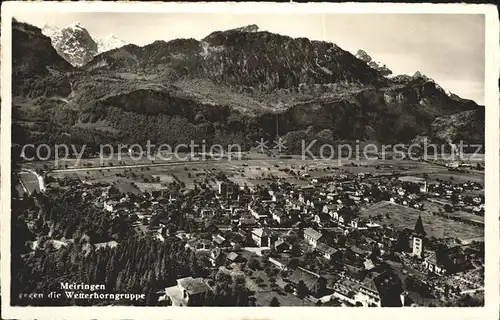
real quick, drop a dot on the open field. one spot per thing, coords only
(457, 177)
(257, 169)
(405, 217)
(434, 207)
(125, 187)
(29, 181)
(124, 158)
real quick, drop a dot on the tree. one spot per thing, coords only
(242, 297)
(295, 251)
(274, 302)
(294, 263)
(302, 290)
(254, 264)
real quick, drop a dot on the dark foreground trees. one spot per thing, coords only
(138, 265)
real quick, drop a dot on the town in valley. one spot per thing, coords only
(275, 229)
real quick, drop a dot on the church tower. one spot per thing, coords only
(418, 236)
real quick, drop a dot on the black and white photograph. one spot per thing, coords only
(247, 159)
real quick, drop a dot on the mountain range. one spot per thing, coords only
(232, 86)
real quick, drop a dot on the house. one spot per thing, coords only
(445, 261)
(368, 264)
(220, 241)
(477, 200)
(189, 291)
(357, 251)
(376, 290)
(282, 246)
(199, 244)
(225, 189)
(368, 294)
(329, 209)
(328, 252)
(261, 236)
(233, 257)
(217, 257)
(431, 264)
(322, 219)
(304, 198)
(247, 221)
(244, 234)
(278, 197)
(286, 237)
(262, 195)
(344, 217)
(312, 236)
(257, 210)
(478, 210)
(279, 216)
(109, 206)
(211, 228)
(354, 198)
(345, 289)
(235, 274)
(315, 283)
(415, 299)
(358, 223)
(206, 213)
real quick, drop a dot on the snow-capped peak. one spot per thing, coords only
(49, 30)
(109, 43)
(75, 25)
(76, 45)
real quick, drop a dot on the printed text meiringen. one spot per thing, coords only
(82, 286)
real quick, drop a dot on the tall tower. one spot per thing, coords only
(418, 236)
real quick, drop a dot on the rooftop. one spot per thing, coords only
(300, 274)
(419, 227)
(232, 256)
(310, 232)
(193, 285)
(326, 249)
(261, 232)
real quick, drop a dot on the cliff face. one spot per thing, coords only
(32, 52)
(243, 59)
(37, 69)
(231, 87)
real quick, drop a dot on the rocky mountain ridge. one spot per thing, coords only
(230, 87)
(382, 68)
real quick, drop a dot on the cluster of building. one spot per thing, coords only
(320, 221)
(361, 277)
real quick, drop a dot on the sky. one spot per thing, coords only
(448, 48)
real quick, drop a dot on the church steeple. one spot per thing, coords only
(418, 238)
(419, 228)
